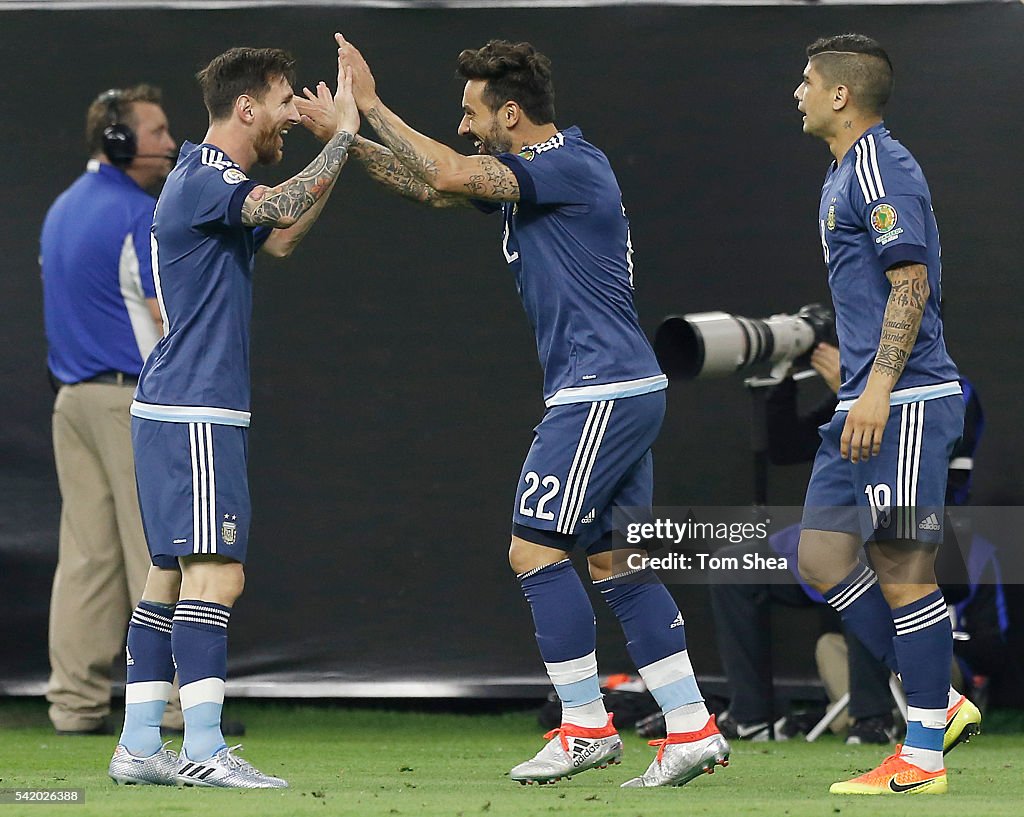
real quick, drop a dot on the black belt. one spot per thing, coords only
(115, 378)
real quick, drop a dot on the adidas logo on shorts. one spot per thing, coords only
(930, 523)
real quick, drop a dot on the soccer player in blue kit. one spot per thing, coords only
(565, 238)
(880, 473)
(190, 416)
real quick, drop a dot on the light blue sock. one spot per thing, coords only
(150, 673)
(200, 641)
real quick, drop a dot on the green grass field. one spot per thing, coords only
(372, 762)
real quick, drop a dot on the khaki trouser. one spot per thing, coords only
(103, 559)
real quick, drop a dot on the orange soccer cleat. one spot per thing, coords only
(894, 776)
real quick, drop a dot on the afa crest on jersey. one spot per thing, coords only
(884, 218)
(229, 530)
(830, 222)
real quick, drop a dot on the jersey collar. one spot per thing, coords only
(110, 173)
(878, 129)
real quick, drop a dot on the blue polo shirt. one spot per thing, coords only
(95, 259)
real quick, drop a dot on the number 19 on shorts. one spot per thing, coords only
(880, 502)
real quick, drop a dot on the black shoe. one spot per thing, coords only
(653, 726)
(234, 729)
(877, 730)
(104, 727)
(734, 730)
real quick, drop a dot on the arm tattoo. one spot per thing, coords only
(285, 204)
(902, 319)
(383, 166)
(496, 181)
(422, 167)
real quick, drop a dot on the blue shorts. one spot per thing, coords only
(898, 495)
(585, 460)
(193, 489)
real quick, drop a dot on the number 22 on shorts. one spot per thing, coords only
(534, 482)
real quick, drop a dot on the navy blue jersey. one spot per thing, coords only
(94, 252)
(876, 212)
(202, 267)
(568, 244)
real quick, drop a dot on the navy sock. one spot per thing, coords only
(200, 642)
(924, 645)
(150, 674)
(859, 600)
(564, 622)
(656, 640)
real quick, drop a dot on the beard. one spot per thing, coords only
(496, 141)
(267, 151)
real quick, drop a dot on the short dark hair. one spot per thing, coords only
(112, 107)
(858, 62)
(242, 71)
(515, 71)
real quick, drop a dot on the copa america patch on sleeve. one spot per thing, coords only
(884, 218)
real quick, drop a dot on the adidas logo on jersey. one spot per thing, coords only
(555, 142)
(930, 523)
(215, 158)
(590, 517)
(677, 622)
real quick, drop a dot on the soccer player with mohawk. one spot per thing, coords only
(880, 473)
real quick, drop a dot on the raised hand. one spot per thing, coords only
(325, 114)
(364, 86)
(318, 111)
(348, 111)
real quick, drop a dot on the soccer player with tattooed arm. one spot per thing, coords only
(566, 241)
(879, 476)
(190, 415)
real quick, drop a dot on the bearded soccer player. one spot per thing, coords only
(880, 473)
(190, 416)
(565, 238)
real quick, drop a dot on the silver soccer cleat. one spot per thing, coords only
(227, 771)
(677, 763)
(570, 750)
(159, 769)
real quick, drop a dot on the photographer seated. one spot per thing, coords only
(742, 611)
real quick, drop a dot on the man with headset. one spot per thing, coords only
(102, 320)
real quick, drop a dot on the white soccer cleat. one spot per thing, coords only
(683, 756)
(227, 771)
(571, 749)
(159, 769)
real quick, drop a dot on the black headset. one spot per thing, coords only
(119, 142)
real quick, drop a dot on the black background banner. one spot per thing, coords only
(395, 377)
